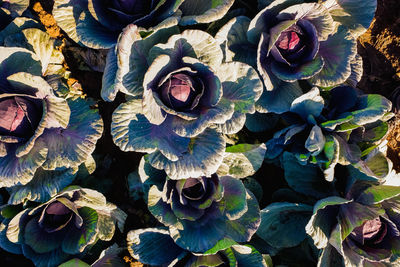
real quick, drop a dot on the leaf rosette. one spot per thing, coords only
(62, 228)
(38, 129)
(291, 40)
(361, 229)
(97, 23)
(345, 129)
(184, 99)
(201, 211)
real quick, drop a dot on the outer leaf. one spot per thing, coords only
(17, 25)
(337, 52)
(153, 246)
(195, 11)
(204, 156)
(198, 238)
(330, 258)
(235, 197)
(6, 244)
(370, 108)
(13, 60)
(77, 141)
(242, 86)
(242, 160)
(221, 245)
(242, 229)
(310, 103)
(131, 131)
(52, 258)
(67, 13)
(282, 224)
(94, 35)
(355, 15)
(306, 179)
(323, 220)
(44, 185)
(377, 194)
(248, 256)
(35, 40)
(76, 241)
(233, 41)
(191, 43)
(15, 170)
(280, 99)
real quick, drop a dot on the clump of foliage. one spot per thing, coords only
(259, 148)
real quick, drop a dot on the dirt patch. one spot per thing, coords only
(380, 50)
(47, 20)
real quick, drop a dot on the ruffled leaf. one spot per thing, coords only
(44, 185)
(14, 170)
(77, 141)
(132, 131)
(337, 52)
(203, 157)
(191, 43)
(242, 86)
(67, 13)
(356, 15)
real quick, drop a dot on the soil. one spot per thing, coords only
(379, 48)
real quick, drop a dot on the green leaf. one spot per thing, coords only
(378, 193)
(74, 263)
(242, 160)
(221, 245)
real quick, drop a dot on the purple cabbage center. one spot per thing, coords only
(19, 116)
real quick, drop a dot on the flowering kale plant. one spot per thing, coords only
(201, 211)
(64, 226)
(343, 130)
(184, 99)
(291, 40)
(236, 133)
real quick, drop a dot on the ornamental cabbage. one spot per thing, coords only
(201, 211)
(343, 130)
(36, 124)
(363, 228)
(62, 228)
(184, 99)
(291, 40)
